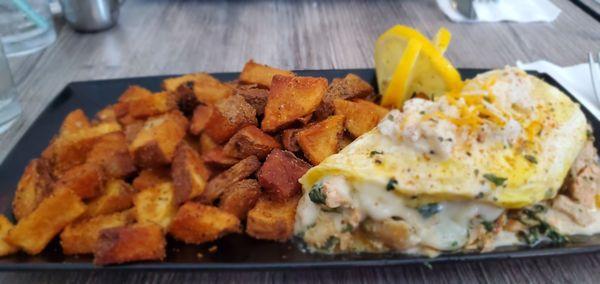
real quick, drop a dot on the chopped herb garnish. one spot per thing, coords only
(373, 153)
(498, 181)
(531, 159)
(331, 243)
(488, 225)
(317, 195)
(454, 244)
(538, 208)
(479, 195)
(396, 218)
(347, 228)
(429, 209)
(391, 185)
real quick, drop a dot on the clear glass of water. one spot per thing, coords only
(25, 26)
(10, 110)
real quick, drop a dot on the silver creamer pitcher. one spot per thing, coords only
(91, 15)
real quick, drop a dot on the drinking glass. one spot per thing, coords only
(25, 26)
(10, 109)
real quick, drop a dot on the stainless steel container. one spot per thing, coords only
(91, 15)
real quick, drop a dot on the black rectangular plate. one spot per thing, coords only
(234, 252)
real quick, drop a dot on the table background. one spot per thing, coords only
(169, 37)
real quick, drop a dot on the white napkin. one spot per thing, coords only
(575, 79)
(522, 11)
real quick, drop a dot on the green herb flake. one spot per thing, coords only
(454, 244)
(488, 225)
(373, 153)
(429, 209)
(498, 181)
(317, 195)
(532, 159)
(347, 228)
(391, 185)
(396, 218)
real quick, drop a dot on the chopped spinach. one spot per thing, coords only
(373, 153)
(391, 185)
(317, 195)
(331, 243)
(532, 159)
(429, 209)
(488, 225)
(495, 179)
(347, 228)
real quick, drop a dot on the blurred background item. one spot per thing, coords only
(25, 26)
(10, 109)
(521, 11)
(91, 15)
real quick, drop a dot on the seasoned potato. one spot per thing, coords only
(361, 116)
(290, 99)
(135, 242)
(155, 144)
(217, 159)
(320, 140)
(188, 172)
(80, 237)
(254, 73)
(75, 121)
(107, 114)
(209, 90)
(196, 223)
(346, 88)
(156, 205)
(255, 96)
(111, 153)
(5, 247)
(151, 105)
(272, 220)
(201, 117)
(206, 143)
(289, 139)
(250, 141)
(279, 175)
(85, 180)
(131, 130)
(220, 183)
(35, 184)
(117, 196)
(240, 197)
(229, 116)
(172, 84)
(151, 177)
(35, 231)
(133, 93)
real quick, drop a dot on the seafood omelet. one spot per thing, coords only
(432, 173)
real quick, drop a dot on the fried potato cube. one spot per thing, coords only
(189, 173)
(289, 139)
(272, 220)
(156, 205)
(151, 177)
(207, 88)
(361, 116)
(250, 141)
(71, 149)
(196, 223)
(75, 121)
(320, 140)
(206, 143)
(220, 183)
(254, 73)
(346, 88)
(35, 184)
(85, 180)
(5, 247)
(133, 93)
(131, 130)
(117, 196)
(229, 116)
(200, 118)
(216, 158)
(135, 242)
(151, 105)
(107, 114)
(172, 84)
(155, 144)
(279, 175)
(111, 153)
(291, 98)
(255, 96)
(240, 198)
(35, 231)
(80, 237)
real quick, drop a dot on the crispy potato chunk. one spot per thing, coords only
(224, 180)
(279, 175)
(206, 143)
(196, 223)
(117, 196)
(346, 88)
(320, 140)
(155, 144)
(229, 116)
(240, 198)
(202, 115)
(361, 116)
(189, 173)
(35, 184)
(151, 177)
(172, 84)
(209, 90)
(290, 99)
(5, 227)
(131, 130)
(155, 104)
(80, 237)
(111, 153)
(254, 73)
(156, 205)
(272, 220)
(107, 114)
(255, 96)
(250, 141)
(35, 231)
(75, 121)
(217, 159)
(85, 180)
(135, 242)
(289, 139)
(133, 93)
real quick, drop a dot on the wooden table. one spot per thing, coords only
(159, 37)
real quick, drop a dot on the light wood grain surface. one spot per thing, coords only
(167, 37)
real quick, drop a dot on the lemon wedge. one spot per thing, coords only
(406, 63)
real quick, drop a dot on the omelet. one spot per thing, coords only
(430, 173)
